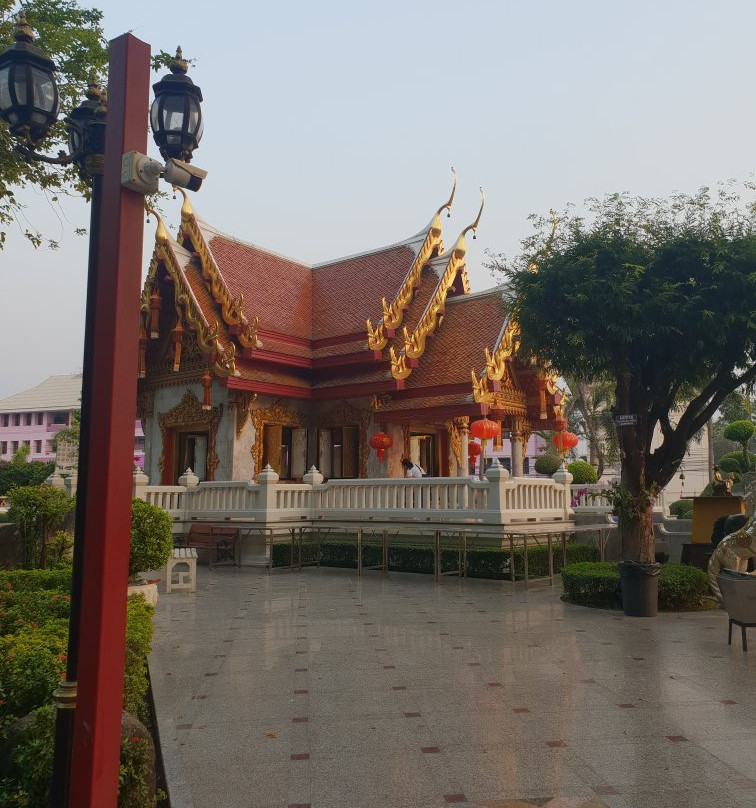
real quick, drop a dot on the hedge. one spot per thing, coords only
(598, 584)
(481, 563)
(682, 508)
(36, 579)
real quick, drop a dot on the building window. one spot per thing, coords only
(37, 447)
(40, 418)
(5, 419)
(3, 447)
(14, 446)
(59, 418)
(28, 419)
(27, 443)
(17, 419)
(526, 466)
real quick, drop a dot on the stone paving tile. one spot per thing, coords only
(481, 694)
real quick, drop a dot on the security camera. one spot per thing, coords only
(177, 172)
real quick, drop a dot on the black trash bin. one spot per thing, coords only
(640, 588)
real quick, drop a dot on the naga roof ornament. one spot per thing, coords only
(392, 313)
(231, 307)
(414, 344)
(224, 358)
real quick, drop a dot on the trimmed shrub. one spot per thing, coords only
(598, 584)
(29, 580)
(31, 608)
(682, 508)
(547, 464)
(681, 587)
(582, 473)
(151, 539)
(138, 644)
(735, 462)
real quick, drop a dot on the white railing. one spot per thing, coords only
(590, 499)
(497, 500)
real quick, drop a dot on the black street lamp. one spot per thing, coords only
(176, 115)
(29, 103)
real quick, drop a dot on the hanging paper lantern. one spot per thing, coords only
(380, 442)
(473, 450)
(564, 441)
(485, 429)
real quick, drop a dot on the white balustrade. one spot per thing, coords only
(590, 499)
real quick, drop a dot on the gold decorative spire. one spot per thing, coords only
(533, 265)
(161, 234)
(474, 225)
(393, 313)
(186, 205)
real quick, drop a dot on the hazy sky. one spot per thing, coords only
(346, 116)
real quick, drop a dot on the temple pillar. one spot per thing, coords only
(516, 441)
(463, 469)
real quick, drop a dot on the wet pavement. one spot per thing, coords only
(318, 688)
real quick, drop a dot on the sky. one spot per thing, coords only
(330, 129)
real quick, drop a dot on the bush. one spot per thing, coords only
(38, 510)
(582, 473)
(736, 462)
(26, 766)
(151, 538)
(481, 563)
(682, 508)
(15, 474)
(598, 584)
(138, 644)
(31, 608)
(547, 464)
(29, 580)
(681, 587)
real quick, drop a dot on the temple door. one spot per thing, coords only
(298, 453)
(272, 437)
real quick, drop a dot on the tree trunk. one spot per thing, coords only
(637, 534)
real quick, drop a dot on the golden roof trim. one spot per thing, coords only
(231, 308)
(496, 362)
(224, 363)
(508, 401)
(393, 313)
(414, 344)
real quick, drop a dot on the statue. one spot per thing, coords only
(734, 550)
(721, 487)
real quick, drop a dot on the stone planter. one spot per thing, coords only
(148, 591)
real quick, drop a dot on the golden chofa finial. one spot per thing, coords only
(447, 205)
(474, 225)
(161, 234)
(533, 265)
(186, 206)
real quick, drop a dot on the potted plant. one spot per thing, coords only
(151, 544)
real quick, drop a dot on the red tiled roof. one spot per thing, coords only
(255, 373)
(348, 292)
(471, 323)
(277, 290)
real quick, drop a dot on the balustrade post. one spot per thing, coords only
(139, 483)
(267, 480)
(563, 478)
(497, 477)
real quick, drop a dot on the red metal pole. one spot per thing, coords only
(97, 722)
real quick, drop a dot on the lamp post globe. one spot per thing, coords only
(86, 132)
(29, 98)
(176, 114)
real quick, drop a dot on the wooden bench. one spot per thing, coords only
(181, 556)
(219, 542)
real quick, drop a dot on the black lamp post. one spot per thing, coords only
(29, 104)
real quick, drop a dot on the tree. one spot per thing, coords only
(741, 432)
(658, 296)
(72, 37)
(39, 511)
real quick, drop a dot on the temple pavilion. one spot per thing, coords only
(249, 358)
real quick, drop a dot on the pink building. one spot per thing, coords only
(31, 418)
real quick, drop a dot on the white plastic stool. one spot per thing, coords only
(186, 579)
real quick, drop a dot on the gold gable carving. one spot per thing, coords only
(393, 313)
(189, 412)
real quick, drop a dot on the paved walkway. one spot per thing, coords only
(321, 689)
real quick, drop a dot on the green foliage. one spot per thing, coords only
(582, 473)
(151, 539)
(682, 508)
(656, 296)
(138, 644)
(133, 773)
(481, 563)
(740, 432)
(730, 464)
(681, 587)
(38, 511)
(14, 474)
(26, 768)
(547, 463)
(31, 608)
(598, 584)
(590, 416)
(72, 37)
(737, 458)
(32, 580)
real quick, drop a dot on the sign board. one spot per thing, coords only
(626, 420)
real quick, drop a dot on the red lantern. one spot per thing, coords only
(485, 429)
(564, 441)
(473, 450)
(380, 442)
